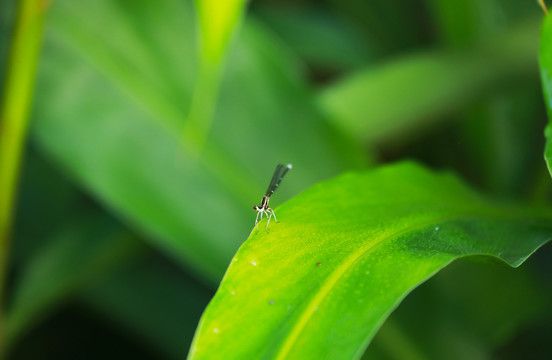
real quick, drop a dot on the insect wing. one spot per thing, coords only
(279, 174)
(275, 176)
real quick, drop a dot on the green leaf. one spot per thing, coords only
(70, 245)
(545, 61)
(66, 256)
(71, 260)
(390, 100)
(114, 91)
(320, 37)
(499, 139)
(345, 254)
(497, 133)
(374, 19)
(152, 300)
(461, 23)
(47, 200)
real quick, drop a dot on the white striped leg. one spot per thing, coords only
(273, 213)
(269, 215)
(257, 219)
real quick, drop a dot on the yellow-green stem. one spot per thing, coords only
(14, 112)
(202, 108)
(217, 22)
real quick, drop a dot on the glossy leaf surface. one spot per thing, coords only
(346, 252)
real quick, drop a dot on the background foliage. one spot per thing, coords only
(125, 223)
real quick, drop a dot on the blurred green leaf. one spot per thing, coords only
(320, 37)
(70, 246)
(152, 301)
(347, 251)
(113, 96)
(399, 97)
(499, 139)
(391, 25)
(67, 263)
(49, 202)
(498, 133)
(545, 60)
(73, 252)
(461, 23)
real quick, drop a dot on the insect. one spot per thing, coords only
(263, 209)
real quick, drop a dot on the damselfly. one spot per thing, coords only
(263, 209)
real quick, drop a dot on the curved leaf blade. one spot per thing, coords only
(427, 85)
(347, 251)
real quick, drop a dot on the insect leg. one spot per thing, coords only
(273, 213)
(269, 215)
(257, 220)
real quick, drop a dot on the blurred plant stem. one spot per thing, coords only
(217, 23)
(202, 108)
(16, 103)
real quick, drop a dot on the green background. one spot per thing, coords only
(156, 127)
